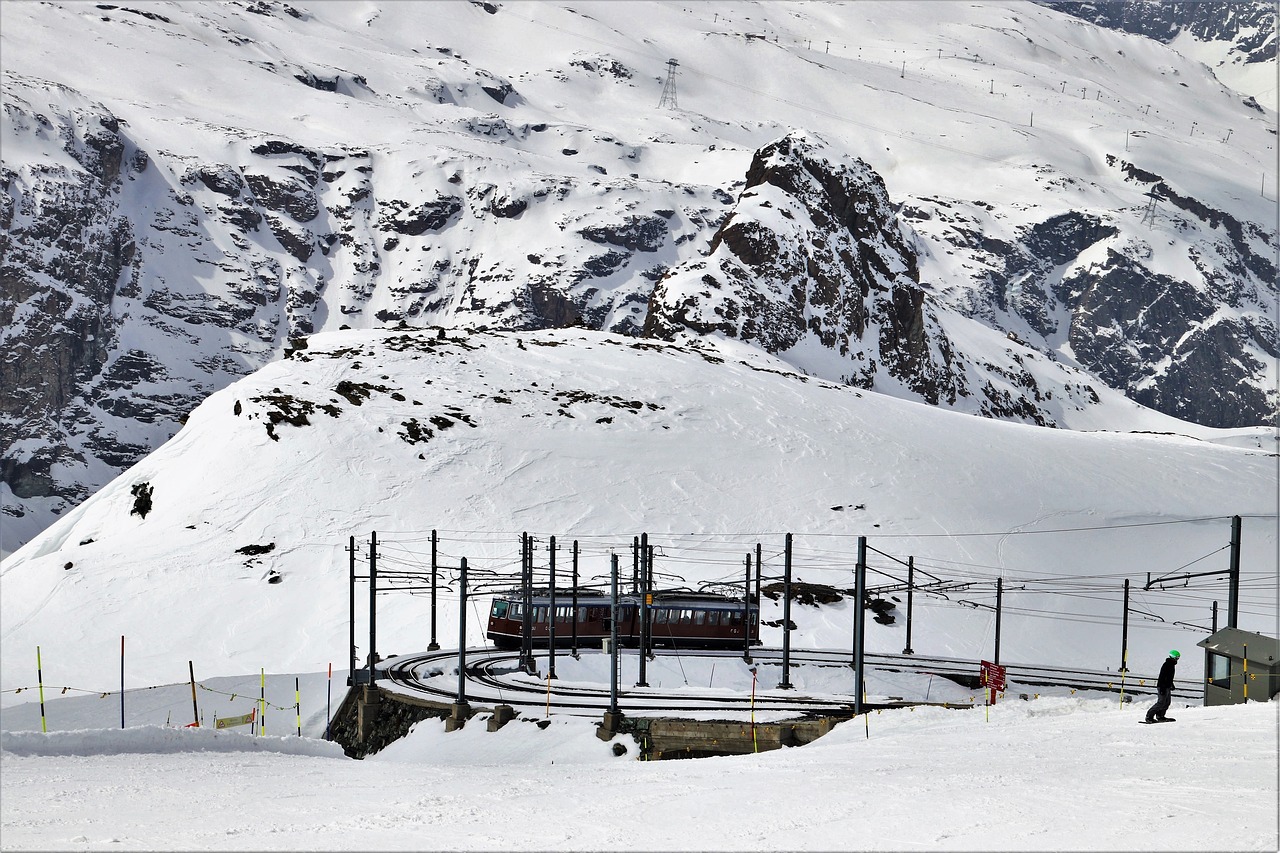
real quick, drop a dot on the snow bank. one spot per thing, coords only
(158, 740)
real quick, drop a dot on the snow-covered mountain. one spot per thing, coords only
(228, 544)
(190, 187)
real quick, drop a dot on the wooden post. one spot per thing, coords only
(195, 708)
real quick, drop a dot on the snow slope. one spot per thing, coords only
(1055, 774)
(241, 562)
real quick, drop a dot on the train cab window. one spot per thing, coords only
(699, 617)
(500, 610)
(517, 611)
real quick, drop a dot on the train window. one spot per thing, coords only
(500, 609)
(659, 616)
(517, 611)
(699, 617)
(735, 617)
(713, 617)
(540, 614)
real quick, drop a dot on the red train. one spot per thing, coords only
(681, 619)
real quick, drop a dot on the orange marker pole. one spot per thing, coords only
(328, 705)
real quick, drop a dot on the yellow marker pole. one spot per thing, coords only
(262, 703)
(40, 680)
(297, 704)
(1246, 673)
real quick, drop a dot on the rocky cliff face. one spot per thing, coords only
(1197, 341)
(811, 262)
(1249, 27)
(136, 280)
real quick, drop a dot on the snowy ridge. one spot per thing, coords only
(241, 557)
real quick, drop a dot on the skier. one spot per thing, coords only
(1164, 690)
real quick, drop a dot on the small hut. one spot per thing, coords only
(1234, 653)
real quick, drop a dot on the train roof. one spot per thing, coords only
(666, 598)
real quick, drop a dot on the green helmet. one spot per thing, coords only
(1175, 654)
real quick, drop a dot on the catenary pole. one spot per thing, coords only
(646, 591)
(1233, 591)
(373, 606)
(462, 632)
(746, 612)
(911, 586)
(613, 635)
(351, 594)
(551, 612)
(1124, 631)
(859, 624)
(435, 541)
(785, 683)
(999, 610)
(575, 598)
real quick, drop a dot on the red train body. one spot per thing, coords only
(677, 619)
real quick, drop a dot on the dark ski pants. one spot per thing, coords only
(1163, 698)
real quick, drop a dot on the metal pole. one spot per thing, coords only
(999, 610)
(613, 636)
(526, 617)
(551, 614)
(122, 681)
(746, 612)
(1124, 631)
(650, 585)
(575, 598)
(373, 609)
(859, 624)
(911, 586)
(785, 684)
(351, 595)
(635, 564)
(1208, 672)
(462, 632)
(759, 564)
(646, 591)
(435, 541)
(195, 707)
(1233, 592)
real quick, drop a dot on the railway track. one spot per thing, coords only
(495, 677)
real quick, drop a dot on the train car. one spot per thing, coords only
(678, 619)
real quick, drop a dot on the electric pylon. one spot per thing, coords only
(668, 98)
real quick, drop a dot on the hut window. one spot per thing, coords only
(1220, 671)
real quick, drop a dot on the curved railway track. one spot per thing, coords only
(493, 676)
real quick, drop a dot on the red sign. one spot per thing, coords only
(993, 675)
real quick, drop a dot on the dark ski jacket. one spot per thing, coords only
(1165, 681)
